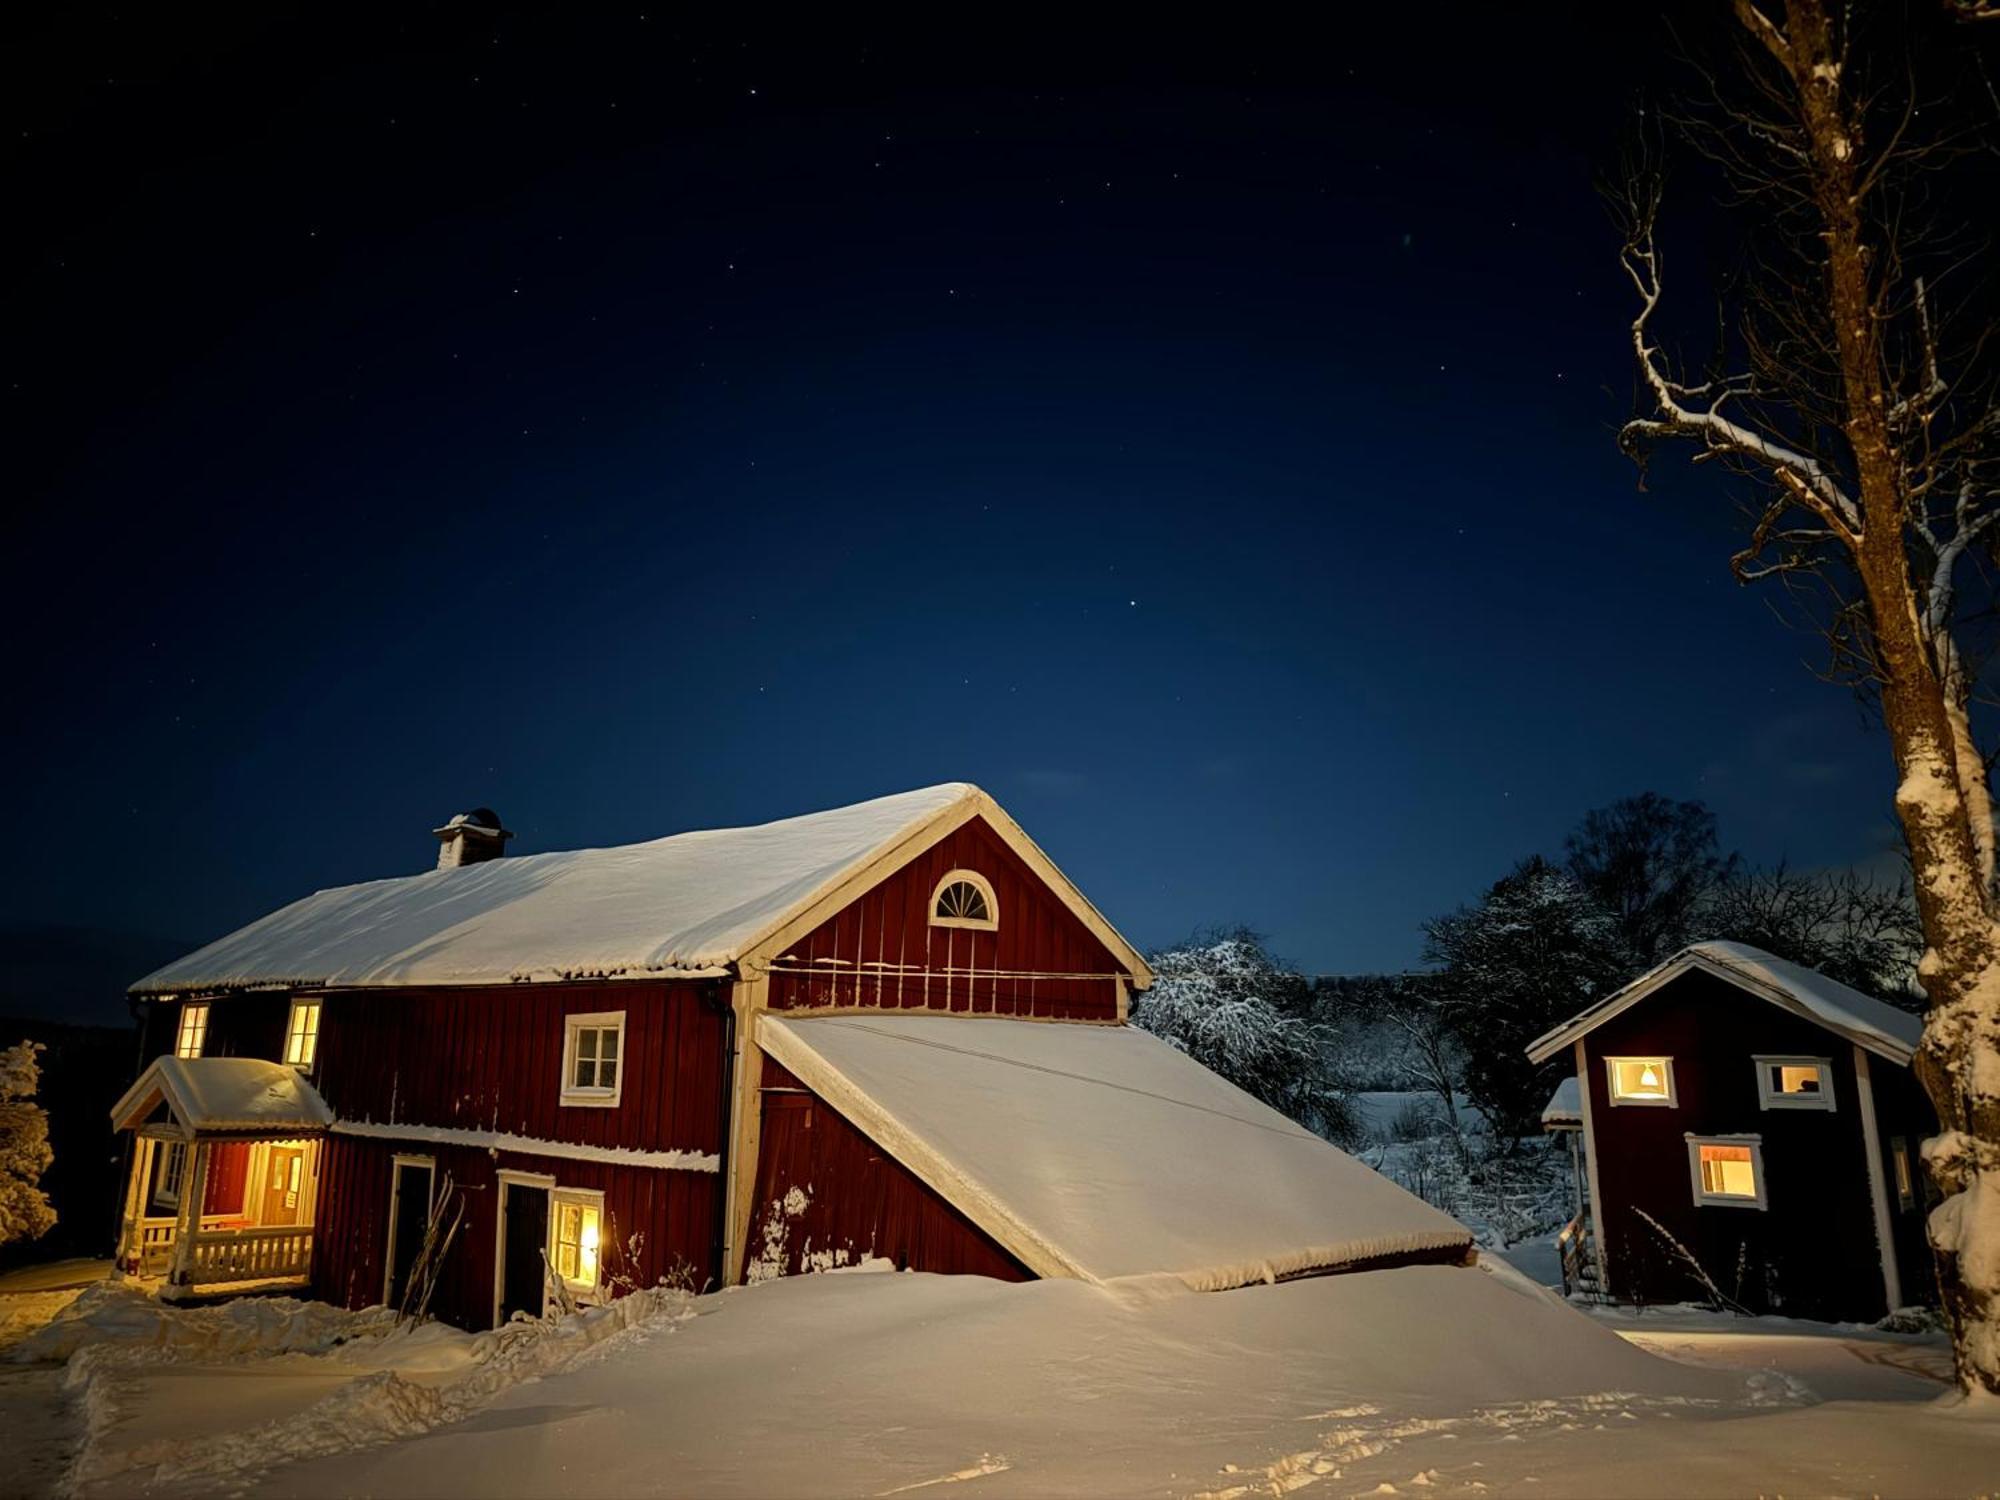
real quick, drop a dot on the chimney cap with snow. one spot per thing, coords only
(471, 838)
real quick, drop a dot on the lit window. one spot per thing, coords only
(592, 1045)
(302, 1034)
(1641, 1080)
(963, 899)
(194, 1029)
(169, 1167)
(577, 1225)
(1727, 1170)
(1899, 1158)
(1795, 1082)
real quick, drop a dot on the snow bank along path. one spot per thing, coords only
(873, 1384)
(1100, 1152)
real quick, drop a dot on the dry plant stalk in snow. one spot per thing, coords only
(1865, 407)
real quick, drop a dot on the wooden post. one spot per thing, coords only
(135, 1204)
(749, 998)
(1878, 1189)
(187, 1221)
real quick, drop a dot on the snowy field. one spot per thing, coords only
(1425, 1381)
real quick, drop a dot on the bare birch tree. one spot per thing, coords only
(1854, 385)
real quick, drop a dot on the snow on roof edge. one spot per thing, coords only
(184, 975)
(1839, 1008)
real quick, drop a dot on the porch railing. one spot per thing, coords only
(153, 1240)
(251, 1254)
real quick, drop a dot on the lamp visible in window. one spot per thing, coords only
(964, 899)
(302, 1034)
(193, 1033)
(1727, 1170)
(1795, 1082)
(1641, 1080)
(577, 1231)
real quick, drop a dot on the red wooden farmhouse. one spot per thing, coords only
(887, 1032)
(1753, 1122)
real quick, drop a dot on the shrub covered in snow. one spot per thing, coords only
(25, 1213)
(1232, 1007)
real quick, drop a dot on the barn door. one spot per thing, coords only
(408, 1223)
(524, 1232)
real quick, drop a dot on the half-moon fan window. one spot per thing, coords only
(962, 901)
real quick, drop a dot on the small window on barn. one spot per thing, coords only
(193, 1033)
(576, 1225)
(1899, 1161)
(302, 1035)
(1728, 1170)
(1641, 1080)
(1795, 1082)
(963, 899)
(593, 1058)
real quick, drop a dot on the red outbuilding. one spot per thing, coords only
(1750, 1131)
(890, 1033)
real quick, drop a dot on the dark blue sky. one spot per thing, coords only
(1203, 443)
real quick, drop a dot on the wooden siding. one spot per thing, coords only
(673, 1214)
(854, 1202)
(491, 1059)
(1812, 1253)
(953, 968)
(250, 1025)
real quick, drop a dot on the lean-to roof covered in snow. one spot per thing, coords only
(1101, 1152)
(1862, 1019)
(224, 1095)
(690, 905)
(1565, 1106)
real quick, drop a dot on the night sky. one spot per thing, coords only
(1204, 442)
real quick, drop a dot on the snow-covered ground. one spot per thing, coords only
(1430, 1380)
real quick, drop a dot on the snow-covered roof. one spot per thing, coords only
(1565, 1106)
(1862, 1019)
(1101, 1152)
(688, 905)
(224, 1095)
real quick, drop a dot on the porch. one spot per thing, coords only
(224, 1176)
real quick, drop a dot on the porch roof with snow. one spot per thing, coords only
(1564, 1111)
(231, 1096)
(1861, 1019)
(691, 905)
(1100, 1152)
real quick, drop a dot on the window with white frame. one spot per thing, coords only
(1906, 1177)
(965, 899)
(1641, 1080)
(593, 1058)
(169, 1169)
(576, 1226)
(1727, 1170)
(193, 1031)
(302, 1035)
(1795, 1082)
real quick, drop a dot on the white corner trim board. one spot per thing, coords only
(527, 1145)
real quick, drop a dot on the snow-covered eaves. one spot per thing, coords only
(1565, 1107)
(223, 1096)
(694, 905)
(1861, 1019)
(1100, 1152)
(528, 1145)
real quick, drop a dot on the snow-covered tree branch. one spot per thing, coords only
(1858, 394)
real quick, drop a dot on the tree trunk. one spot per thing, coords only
(1941, 786)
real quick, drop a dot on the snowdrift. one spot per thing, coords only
(1101, 1153)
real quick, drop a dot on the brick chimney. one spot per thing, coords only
(471, 838)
